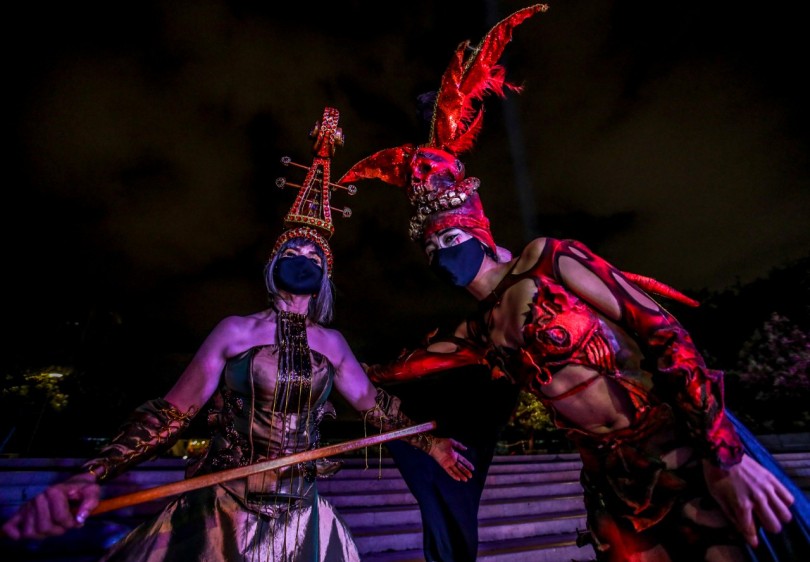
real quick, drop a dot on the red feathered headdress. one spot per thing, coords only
(431, 173)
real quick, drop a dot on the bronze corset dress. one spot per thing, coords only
(274, 516)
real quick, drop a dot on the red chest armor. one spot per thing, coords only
(561, 330)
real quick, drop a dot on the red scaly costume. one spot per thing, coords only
(676, 400)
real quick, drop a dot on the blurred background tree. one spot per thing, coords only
(532, 422)
(26, 397)
(773, 376)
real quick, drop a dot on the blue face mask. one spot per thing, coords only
(298, 275)
(459, 264)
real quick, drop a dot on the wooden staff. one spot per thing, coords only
(197, 482)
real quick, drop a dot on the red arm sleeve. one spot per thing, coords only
(419, 362)
(697, 391)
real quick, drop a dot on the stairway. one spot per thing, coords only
(531, 507)
(531, 510)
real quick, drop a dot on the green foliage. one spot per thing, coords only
(776, 358)
(38, 388)
(25, 399)
(773, 373)
(530, 415)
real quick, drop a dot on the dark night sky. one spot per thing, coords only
(146, 136)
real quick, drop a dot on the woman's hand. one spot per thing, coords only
(747, 489)
(59, 508)
(446, 452)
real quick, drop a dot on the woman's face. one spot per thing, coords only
(307, 249)
(444, 239)
(299, 268)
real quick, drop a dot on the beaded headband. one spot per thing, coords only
(431, 173)
(310, 216)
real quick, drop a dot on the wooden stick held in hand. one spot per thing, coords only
(198, 482)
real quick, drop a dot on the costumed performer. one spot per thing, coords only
(665, 473)
(270, 374)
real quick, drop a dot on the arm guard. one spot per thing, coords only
(386, 415)
(697, 390)
(151, 429)
(421, 362)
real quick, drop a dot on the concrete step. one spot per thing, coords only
(364, 516)
(499, 529)
(359, 468)
(392, 481)
(491, 509)
(531, 508)
(554, 548)
(541, 489)
(794, 454)
(398, 494)
(381, 538)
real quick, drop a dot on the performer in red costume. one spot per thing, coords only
(665, 473)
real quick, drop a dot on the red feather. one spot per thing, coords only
(457, 118)
(390, 165)
(466, 140)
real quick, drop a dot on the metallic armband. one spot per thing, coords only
(386, 415)
(151, 429)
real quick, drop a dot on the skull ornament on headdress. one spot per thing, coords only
(432, 174)
(310, 216)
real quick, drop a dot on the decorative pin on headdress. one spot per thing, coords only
(310, 216)
(431, 173)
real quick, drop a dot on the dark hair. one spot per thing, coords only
(320, 308)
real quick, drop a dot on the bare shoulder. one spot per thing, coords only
(530, 254)
(328, 338)
(330, 343)
(234, 334)
(232, 325)
(536, 246)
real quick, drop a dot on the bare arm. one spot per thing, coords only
(200, 378)
(354, 385)
(351, 380)
(66, 505)
(747, 490)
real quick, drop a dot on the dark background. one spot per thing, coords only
(146, 136)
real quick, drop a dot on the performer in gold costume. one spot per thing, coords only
(269, 374)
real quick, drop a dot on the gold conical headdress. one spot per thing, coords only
(310, 216)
